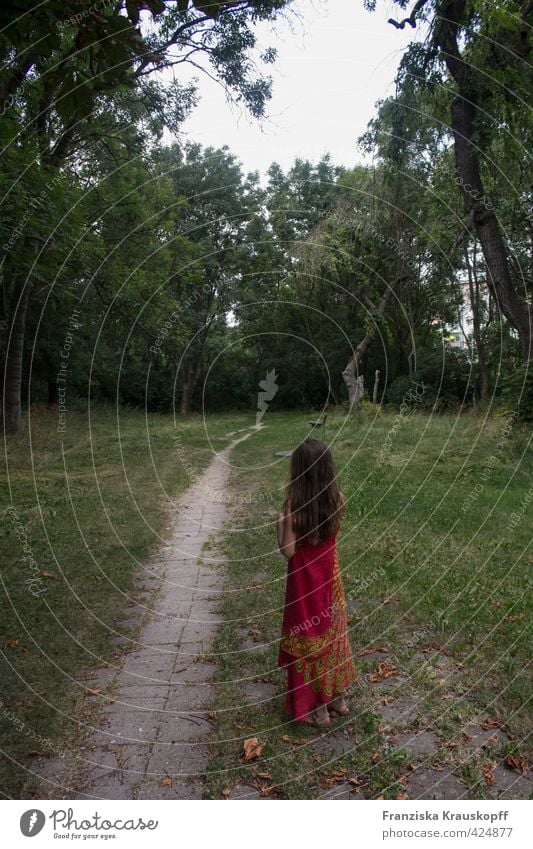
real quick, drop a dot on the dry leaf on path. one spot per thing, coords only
(167, 782)
(385, 670)
(372, 650)
(252, 749)
(489, 723)
(518, 762)
(488, 772)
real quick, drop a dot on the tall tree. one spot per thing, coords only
(65, 63)
(483, 49)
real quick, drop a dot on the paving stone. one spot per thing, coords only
(400, 711)
(433, 784)
(183, 727)
(340, 791)
(481, 737)
(191, 789)
(244, 791)
(177, 760)
(333, 744)
(190, 698)
(417, 743)
(509, 784)
(258, 692)
(192, 671)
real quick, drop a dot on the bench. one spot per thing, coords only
(320, 422)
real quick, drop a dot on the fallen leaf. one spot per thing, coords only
(402, 796)
(375, 757)
(52, 575)
(286, 738)
(93, 691)
(488, 771)
(518, 762)
(252, 749)
(372, 650)
(264, 775)
(385, 670)
(267, 789)
(355, 781)
(167, 782)
(515, 618)
(227, 791)
(389, 601)
(489, 723)
(35, 754)
(11, 644)
(467, 736)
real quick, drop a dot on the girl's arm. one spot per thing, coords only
(286, 536)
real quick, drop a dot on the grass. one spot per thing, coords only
(89, 505)
(432, 560)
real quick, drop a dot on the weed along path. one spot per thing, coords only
(151, 741)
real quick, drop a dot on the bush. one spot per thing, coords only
(517, 391)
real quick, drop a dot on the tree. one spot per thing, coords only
(482, 47)
(64, 67)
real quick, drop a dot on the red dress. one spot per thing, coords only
(315, 646)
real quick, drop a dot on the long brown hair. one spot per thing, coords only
(313, 495)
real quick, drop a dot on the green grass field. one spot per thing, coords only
(429, 563)
(89, 505)
(434, 551)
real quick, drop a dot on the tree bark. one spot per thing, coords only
(463, 115)
(12, 407)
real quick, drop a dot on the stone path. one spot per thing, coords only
(152, 739)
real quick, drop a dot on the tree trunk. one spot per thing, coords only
(187, 389)
(12, 412)
(192, 373)
(473, 287)
(376, 387)
(353, 383)
(481, 213)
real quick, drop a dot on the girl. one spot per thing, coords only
(315, 647)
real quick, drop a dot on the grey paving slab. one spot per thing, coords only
(433, 784)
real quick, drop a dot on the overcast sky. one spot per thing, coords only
(331, 69)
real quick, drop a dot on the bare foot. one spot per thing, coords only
(339, 705)
(318, 717)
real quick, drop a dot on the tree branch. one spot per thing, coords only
(411, 20)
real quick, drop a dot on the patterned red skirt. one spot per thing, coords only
(315, 646)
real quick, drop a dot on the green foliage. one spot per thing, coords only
(517, 391)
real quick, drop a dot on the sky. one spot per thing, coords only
(333, 64)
